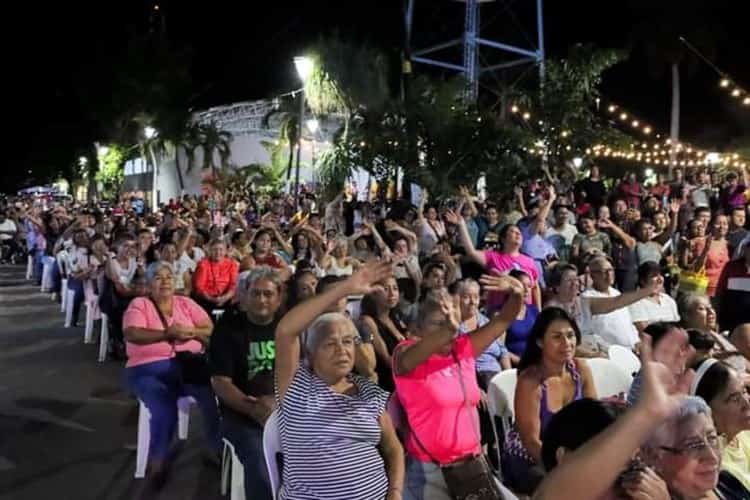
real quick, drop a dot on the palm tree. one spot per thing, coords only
(286, 113)
(214, 140)
(664, 24)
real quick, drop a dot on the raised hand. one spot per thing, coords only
(505, 284)
(451, 217)
(674, 206)
(518, 191)
(662, 390)
(365, 279)
(451, 311)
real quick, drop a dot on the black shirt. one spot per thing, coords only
(245, 352)
(596, 191)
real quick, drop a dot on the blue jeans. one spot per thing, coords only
(158, 385)
(247, 439)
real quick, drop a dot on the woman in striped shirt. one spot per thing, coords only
(337, 439)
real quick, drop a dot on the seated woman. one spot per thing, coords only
(331, 422)
(336, 260)
(549, 378)
(495, 358)
(580, 422)
(698, 313)
(591, 471)
(182, 276)
(722, 388)
(157, 328)
(520, 329)
(686, 450)
(436, 384)
(263, 254)
(215, 279)
(119, 288)
(381, 321)
(301, 285)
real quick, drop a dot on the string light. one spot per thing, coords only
(734, 90)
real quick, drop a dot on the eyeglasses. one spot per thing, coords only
(697, 449)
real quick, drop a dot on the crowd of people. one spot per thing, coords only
(373, 330)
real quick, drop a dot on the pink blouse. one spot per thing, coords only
(141, 313)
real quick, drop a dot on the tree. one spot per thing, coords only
(110, 174)
(214, 141)
(664, 24)
(285, 116)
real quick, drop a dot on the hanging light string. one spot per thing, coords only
(726, 82)
(657, 152)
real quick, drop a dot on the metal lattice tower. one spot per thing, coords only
(472, 41)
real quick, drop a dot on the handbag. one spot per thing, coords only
(693, 282)
(471, 477)
(193, 366)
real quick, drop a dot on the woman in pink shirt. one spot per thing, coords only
(436, 385)
(157, 327)
(509, 257)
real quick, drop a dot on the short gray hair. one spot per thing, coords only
(320, 329)
(247, 279)
(664, 435)
(464, 284)
(154, 269)
(689, 302)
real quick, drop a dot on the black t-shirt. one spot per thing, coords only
(245, 352)
(595, 191)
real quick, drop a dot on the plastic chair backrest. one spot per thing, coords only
(500, 395)
(271, 451)
(609, 378)
(625, 359)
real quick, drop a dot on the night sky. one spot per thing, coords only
(243, 51)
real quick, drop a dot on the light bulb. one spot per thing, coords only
(724, 83)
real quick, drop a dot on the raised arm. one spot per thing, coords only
(483, 337)
(519, 198)
(627, 240)
(300, 317)
(477, 256)
(604, 305)
(540, 222)
(409, 235)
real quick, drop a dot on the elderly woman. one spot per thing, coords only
(719, 385)
(162, 330)
(550, 376)
(215, 278)
(336, 261)
(182, 277)
(698, 313)
(436, 384)
(330, 421)
(495, 358)
(686, 450)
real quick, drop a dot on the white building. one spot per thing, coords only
(244, 121)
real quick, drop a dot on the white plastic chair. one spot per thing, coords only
(217, 314)
(92, 314)
(69, 297)
(29, 267)
(104, 339)
(231, 462)
(625, 359)
(501, 392)
(271, 448)
(609, 378)
(47, 265)
(62, 264)
(144, 431)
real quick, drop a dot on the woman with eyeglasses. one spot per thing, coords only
(719, 385)
(686, 452)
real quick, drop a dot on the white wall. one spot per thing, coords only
(245, 149)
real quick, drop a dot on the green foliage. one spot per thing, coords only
(212, 141)
(111, 173)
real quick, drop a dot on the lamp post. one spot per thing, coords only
(312, 126)
(149, 133)
(304, 66)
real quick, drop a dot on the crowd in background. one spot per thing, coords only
(372, 330)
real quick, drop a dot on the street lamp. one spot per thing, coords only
(312, 125)
(149, 132)
(304, 66)
(577, 162)
(82, 161)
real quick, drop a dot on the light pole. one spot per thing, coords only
(312, 126)
(149, 133)
(304, 66)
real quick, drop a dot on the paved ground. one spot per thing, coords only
(67, 426)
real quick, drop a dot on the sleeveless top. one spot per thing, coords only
(330, 440)
(125, 275)
(513, 445)
(334, 269)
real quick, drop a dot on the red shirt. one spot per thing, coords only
(216, 278)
